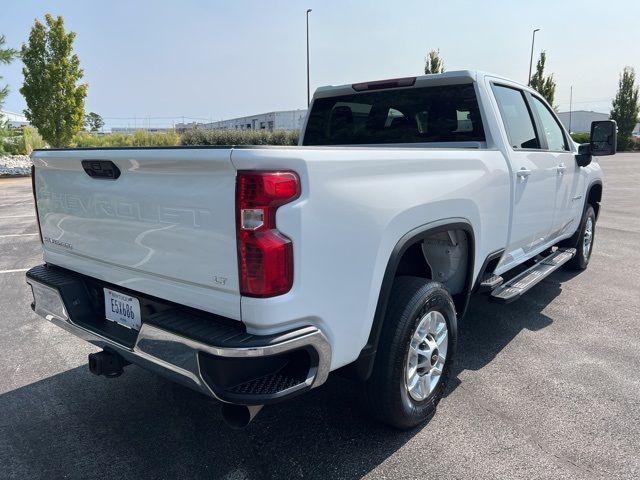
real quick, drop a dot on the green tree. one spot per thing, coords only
(55, 100)
(626, 107)
(433, 63)
(545, 86)
(6, 57)
(93, 122)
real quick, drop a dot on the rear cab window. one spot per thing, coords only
(412, 115)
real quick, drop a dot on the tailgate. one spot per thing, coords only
(165, 226)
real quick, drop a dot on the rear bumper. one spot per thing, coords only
(193, 348)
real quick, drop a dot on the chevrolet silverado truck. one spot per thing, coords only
(251, 273)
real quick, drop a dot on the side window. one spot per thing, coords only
(516, 117)
(553, 131)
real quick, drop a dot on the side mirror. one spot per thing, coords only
(604, 137)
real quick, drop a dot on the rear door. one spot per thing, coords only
(534, 176)
(162, 223)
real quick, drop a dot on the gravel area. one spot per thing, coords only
(11, 165)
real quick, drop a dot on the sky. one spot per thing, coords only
(155, 63)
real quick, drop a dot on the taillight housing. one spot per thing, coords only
(265, 256)
(35, 199)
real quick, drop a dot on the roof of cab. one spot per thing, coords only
(446, 78)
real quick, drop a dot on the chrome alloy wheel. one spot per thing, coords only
(427, 355)
(587, 240)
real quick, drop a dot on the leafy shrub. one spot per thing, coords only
(139, 138)
(20, 141)
(5, 138)
(624, 144)
(239, 137)
(581, 137)
(32, 140)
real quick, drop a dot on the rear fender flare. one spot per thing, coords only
(363, 366)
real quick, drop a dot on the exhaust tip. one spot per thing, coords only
(239, 416)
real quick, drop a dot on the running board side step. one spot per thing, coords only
(490, 282)
(520, 284)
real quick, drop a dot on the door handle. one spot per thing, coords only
(523, 173)
(561, 169)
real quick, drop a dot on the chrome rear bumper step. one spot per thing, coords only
(520, 284)
(193, 348)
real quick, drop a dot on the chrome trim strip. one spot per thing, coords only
(157, 343)
(175, 356)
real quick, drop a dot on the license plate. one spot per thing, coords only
(122, 308)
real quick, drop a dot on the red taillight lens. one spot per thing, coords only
(35, 199)
(265, 255)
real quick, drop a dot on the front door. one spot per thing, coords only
(569, 183)
(534, 177)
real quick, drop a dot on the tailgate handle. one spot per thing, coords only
(104, 169)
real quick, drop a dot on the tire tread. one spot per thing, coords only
(407, 294)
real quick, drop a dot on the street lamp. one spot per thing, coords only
(533, 40)
(308, 89)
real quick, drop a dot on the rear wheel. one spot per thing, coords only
(586, 236)
(415, 353)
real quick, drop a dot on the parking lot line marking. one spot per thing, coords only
(19, 235)
(16, 270)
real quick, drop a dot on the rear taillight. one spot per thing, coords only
(35, 199)
(265, 255)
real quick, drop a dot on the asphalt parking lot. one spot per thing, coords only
(547, 387)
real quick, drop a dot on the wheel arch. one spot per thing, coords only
(361, 368)
(594, 197)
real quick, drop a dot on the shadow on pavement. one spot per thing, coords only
(488, 327)
(74, 425)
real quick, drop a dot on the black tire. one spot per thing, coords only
(582, 257)
(386, 395)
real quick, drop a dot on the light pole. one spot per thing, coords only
(308, 89)
(533, 41)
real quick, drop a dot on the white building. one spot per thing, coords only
(282, 120)
(131, 130)
(579, 121)
(14, 120)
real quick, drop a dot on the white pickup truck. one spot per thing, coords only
(251, 273)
